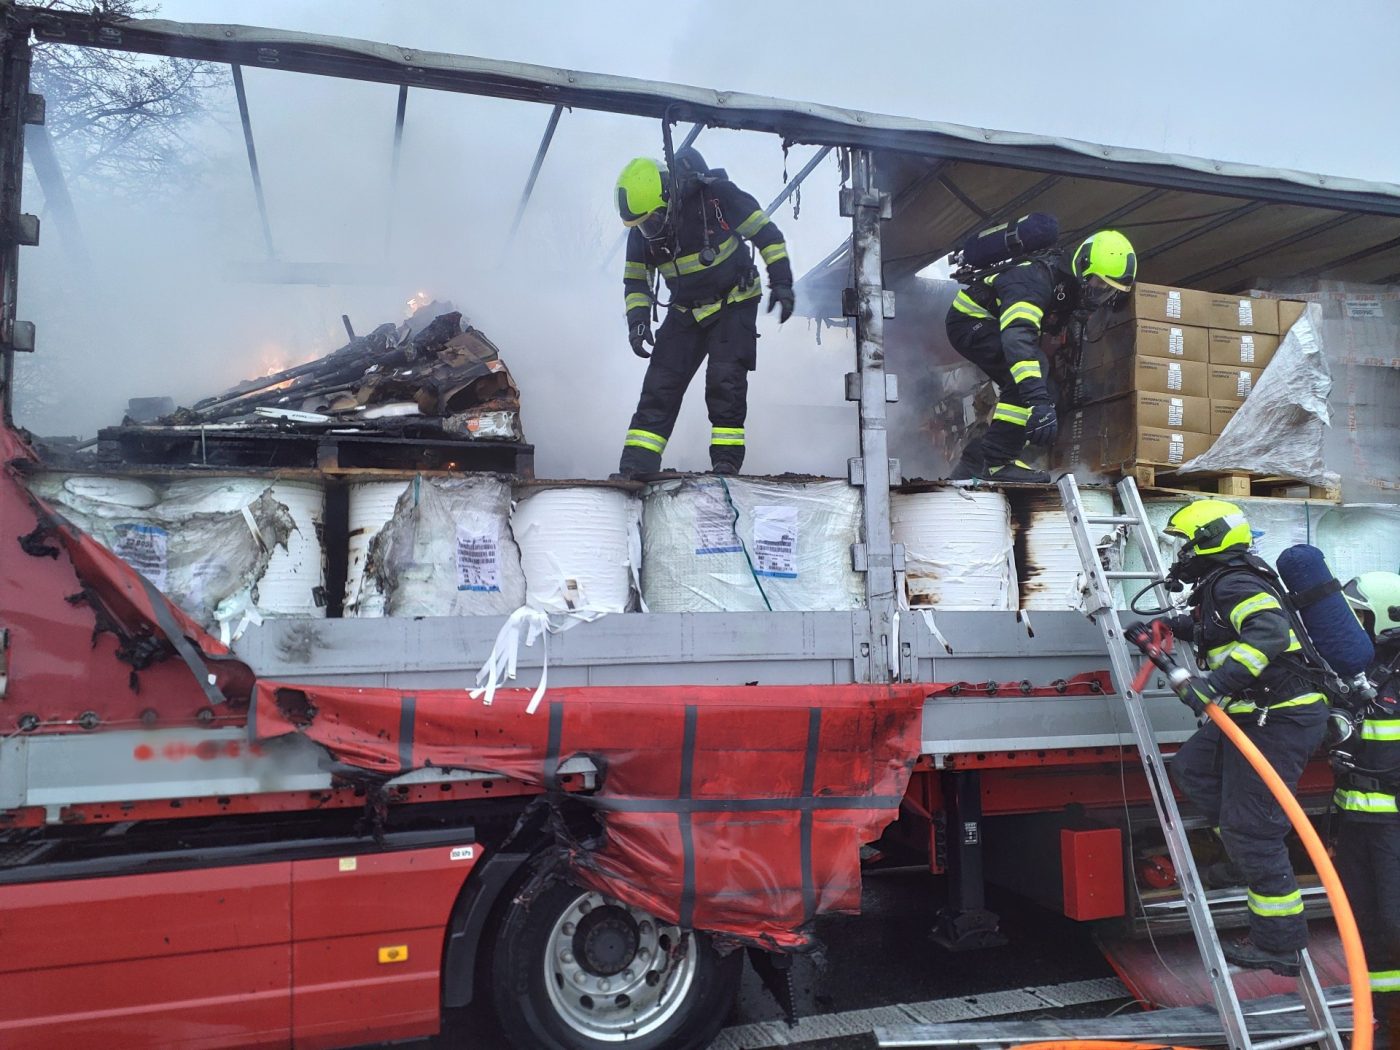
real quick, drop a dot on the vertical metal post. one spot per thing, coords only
(873, 471)
(252, 155)
(39, 146)
(535, 170)
(394, 167)
(15, 227)
(964, 922)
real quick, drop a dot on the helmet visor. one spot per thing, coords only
(652, 224)
(1098, 292)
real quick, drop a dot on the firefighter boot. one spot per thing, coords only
(1017, 472)
(971, 465)
(1249, 956)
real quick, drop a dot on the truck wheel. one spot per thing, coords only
(575, 970)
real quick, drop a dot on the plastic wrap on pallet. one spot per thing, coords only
(797, 536)
(1281, 427)
(447, 550)
(580, 548)
(692, 560)
(1358, 538)
(207, 545)
(1361, 339)
(957, 548)
(1050, 570)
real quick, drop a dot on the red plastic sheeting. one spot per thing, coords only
(738, 810)
(58, 669)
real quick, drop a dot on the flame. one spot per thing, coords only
(419, 300)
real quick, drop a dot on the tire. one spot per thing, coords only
(574, 970)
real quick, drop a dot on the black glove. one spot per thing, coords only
(1194, 691)
(781, 293)
(1182, 625)
(638, 335)
(1042, 426)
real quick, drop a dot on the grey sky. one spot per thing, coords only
(1262, 83)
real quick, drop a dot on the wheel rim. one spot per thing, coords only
(613, 972)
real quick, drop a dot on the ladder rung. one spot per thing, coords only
(1283, 1042)
(1112, 521)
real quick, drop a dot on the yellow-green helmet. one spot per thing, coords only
(1210, 526)
(641, 190)
(1109, 256)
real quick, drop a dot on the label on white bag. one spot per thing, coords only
(145, 548)
(775, 542)
(714, 522)
(1363, 307)
(478, 561)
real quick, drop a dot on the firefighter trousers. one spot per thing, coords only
(1368, 860)
(730, 343)
(1211, 772)
(979, 340)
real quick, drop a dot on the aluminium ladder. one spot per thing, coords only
(1101, 608)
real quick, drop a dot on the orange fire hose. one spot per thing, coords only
(1360, 979)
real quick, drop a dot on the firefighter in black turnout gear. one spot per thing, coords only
(1368, 781)
(691, 227)
(996, 324)
(1259, 674)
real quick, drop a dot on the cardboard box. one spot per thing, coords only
(1152, 374)
(1221, 412)
(1169, 447)
(1242, 349)
(1172, 411)
(1231, 384)
(1174, 342)
(1241, 313)
(1289, 310)
(1157, 302)
(1109, 434)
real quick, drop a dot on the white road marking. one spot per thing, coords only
(934, 1011)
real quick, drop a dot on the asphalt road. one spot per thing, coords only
(885, 957)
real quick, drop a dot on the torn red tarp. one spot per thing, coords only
(737, 810)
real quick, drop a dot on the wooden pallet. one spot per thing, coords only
(1225, 483)
(320, 450)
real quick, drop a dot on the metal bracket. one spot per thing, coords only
(4, 661)
(853, 387)
(850, 303)
(855, 472)
(34, 108)
(849, 203)
(20, 337)
(24, 230)
(888, 305)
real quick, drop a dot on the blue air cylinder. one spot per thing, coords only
(1006, 240)
(1332, 626)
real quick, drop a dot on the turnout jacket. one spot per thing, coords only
(698, 290)
(1245, 638)
(1034, 295)
(1369, 792)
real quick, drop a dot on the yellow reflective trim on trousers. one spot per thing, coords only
(737, 294)
(752, 224)
(965, 304)
(727, 436)
(1288, 904)
(1387, 730)
(1011, 414)
(1365, 801)
(1385, 980)
(687, 264)
(1023, 370)
(773, 252)
(1244, 707)
(634, 271)
(1249, 657)
(637, 300)
(1022, 311)
(1247, 608)
(645, 439)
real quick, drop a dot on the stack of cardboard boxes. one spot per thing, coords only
(1165, 377)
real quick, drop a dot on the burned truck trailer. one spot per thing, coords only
(324, 832)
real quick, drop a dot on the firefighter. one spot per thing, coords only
(692, 229)
(1368, 781)
(996, 323)
(1259, 675)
